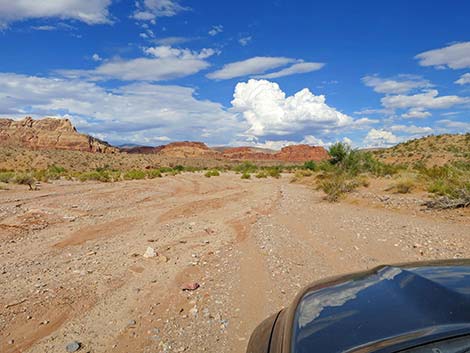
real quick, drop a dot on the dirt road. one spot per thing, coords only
(72, 265)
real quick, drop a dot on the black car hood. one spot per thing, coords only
(384, 309)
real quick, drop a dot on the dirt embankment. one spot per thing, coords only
(72, 265)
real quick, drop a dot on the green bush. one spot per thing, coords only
(103, 176)
(336, 185)
(274, 172)
(310, 165)
(246, 175)
(6, 177)
(212, 173)
(154, 173)
(261, 174)
(246, 167)
(134, 174)
(25, 179)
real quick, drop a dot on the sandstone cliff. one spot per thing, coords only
(49, 134)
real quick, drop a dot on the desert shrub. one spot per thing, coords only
(212, 173)
(6, 177)
(154, 173)
(25, 179)
(103, 176)
(404, 186)
(166, 169)
(339, 152)
(261, 174)
(273, 172)
(336, 185)
(179, 168)
(246, 167)
(246, 175)
(134, 174)
(310, 165)
(191, 169)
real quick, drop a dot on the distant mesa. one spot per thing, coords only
(49, 133)
(59, 134)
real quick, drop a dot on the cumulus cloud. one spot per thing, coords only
(91, 11)
(96, 57)
(150, 10)
(299, 68)
(216, 30)
(403, 84)
(165, 63)
(128, 113)
(381, 138)
(268, 111)
(256, 65)
(455, 56)
(464, 79)
(429, 99)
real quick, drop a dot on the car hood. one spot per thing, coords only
(385, 309)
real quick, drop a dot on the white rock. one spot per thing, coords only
(150, 252)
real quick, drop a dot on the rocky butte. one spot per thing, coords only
(60, 134)
(49, 133)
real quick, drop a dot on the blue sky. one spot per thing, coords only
(372, 73)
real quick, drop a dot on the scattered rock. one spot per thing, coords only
(190, 286)
(150, 252)
(73, 346)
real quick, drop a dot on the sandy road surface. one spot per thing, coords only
(71, 264)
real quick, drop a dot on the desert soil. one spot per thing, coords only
(72, 265)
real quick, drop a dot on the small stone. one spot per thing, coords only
(73, 346)
(190, 286)
(11, 342)
(150, 252)
(132, 322)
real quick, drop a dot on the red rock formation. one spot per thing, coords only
(49, 133)
(302, 153)
(295, 153)
(186, 149)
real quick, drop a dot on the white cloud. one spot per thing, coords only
(455, 56)
(464, 79)
(279, 144)
(172, 40)
(150, 10)
(244, 41)
(412, 129)
(46, 28)
(268, 111)
(461, 126)
(90, 11)
(299, 68)
(427, 100)
(96, 57)
(416, 113)
(128, 113)
(403, 84)
(381, 138)
(256, 65)
(166, 63)
(216, 30)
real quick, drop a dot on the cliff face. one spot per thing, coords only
(302, 153)
(59, 134)
(49, 133)
(295, 153)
